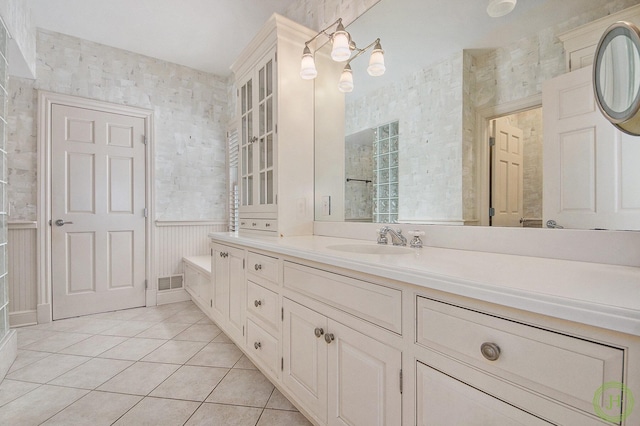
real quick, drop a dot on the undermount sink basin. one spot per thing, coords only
(370, 249)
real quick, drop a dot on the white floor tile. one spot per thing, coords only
(199, 333)
(282, 418)
(175, 352)
(48, 368)
(159, 412)
(133, 349)
(279, 402)
(38, 405)
(92, 373)
(223, 355)
(58, 342)
(13, 389)
(228, 415)
(243, 387)
(190, 383)
(26, 357)
(93, 345)
(163, 331)
(95, 409)
(128, 328)
(139, 379)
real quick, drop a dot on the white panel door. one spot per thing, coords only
(507, 176)
(98, 242)
(363, 380)
(304, 353)
(591, 178)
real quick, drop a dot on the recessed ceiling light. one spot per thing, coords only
(498, 8)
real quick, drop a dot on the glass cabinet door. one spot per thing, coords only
(246, 142)
(266, 132)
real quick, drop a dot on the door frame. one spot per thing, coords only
(46, 99)
(484, 116)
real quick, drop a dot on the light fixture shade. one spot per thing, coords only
(376, 61)
(308, 69)
(346, 80)
(341, 39)
(498, 8)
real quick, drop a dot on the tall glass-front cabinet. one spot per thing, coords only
(275, 115)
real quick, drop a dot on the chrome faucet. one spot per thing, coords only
(396, 236)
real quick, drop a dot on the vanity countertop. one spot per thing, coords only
(601, 295)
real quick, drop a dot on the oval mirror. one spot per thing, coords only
(616, 76)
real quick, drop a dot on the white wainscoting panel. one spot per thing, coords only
(22, 273)
(174, 240)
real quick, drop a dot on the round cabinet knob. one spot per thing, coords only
(257, 345)
(490, 351)
(318, 332)
(257, 266)
(257, 302)
(329, 337)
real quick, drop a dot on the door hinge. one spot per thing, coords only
(281, 364)
(281, 314)
(401, 380)
(211, 303)
(50, 223)
(243, 330)
(238, 92)
(492, 141)
(276, 127)
(243, 263)
(146, 284)
(492, 212)
(276, 56)
(145, 212)
(211, 252)
(276, 198)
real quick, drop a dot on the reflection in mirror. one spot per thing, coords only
(450, 71)
(371, 167)
(620, 71)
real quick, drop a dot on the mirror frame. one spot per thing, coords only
(627, 121)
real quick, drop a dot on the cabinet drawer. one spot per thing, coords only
(372, 302)
(566, 368)
(263, 347)
(263, 304)
(264, 268)
(270, 225)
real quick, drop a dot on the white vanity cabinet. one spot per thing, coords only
(348, 344)
(276, 132)
(343, 376)
(229, 289)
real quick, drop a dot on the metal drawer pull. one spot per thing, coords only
(257, 302)
(254, 224)
(267, 225)
(257, 345)
(329, 337)
(223, 254)
(257, 266)
(318, 332)
(490, 351)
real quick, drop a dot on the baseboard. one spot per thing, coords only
(22, 318)
(8, 352)
(43, 313)
(172, 296)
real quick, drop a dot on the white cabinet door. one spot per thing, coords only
(258, 137)
(237, 294)
(363, 379)
(442, 400)
(229, 289)
(220, 308)
(305, 357)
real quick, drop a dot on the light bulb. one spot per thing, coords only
(308, 69)
(341, 51)
(346, 80)
(376, 61)
(498, 8)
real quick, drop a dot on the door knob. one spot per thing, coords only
(257, 345)
(329, 337)
(61, 222)
(257, 302)
(318, 332)
(490, 351)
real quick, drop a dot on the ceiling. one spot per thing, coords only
(208, 34)
(203, 34)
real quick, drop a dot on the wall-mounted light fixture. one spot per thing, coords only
(342, 47)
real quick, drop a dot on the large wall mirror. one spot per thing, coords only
(446, 63)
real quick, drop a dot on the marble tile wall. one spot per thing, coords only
(358, 196)
(190, 112)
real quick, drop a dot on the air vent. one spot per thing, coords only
(170, 283)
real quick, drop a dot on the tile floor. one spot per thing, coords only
(165, 365)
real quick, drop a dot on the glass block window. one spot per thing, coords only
(4, 300)
(385, 173)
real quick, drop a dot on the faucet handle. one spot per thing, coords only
(382, 235)
(416, 242)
